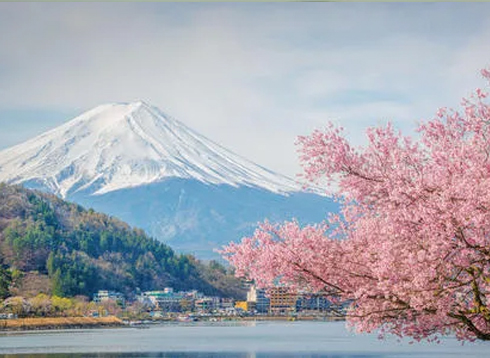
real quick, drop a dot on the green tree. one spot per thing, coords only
(5, 282)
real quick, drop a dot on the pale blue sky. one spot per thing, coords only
(249, 76)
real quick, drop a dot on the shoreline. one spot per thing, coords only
(53, 323)
(56, 323)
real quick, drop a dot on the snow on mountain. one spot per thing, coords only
(136, 163)
(118, 146)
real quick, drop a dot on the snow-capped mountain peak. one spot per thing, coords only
(122, 145)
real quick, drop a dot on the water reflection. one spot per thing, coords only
(187, 355)
(257, 340)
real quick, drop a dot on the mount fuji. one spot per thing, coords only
(132, 161)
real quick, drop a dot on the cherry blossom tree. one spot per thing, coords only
(410, 248)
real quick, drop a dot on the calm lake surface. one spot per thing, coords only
(233, 340)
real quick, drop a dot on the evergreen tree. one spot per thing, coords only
(5, 281)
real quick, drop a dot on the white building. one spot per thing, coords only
(105, 295)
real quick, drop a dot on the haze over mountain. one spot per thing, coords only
(139, 164)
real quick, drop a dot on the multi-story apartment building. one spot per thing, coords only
(166, 300)
(282, 300)
(106, 295)
(312, 302)
(257, 300)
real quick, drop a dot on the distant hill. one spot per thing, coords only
(54, 246)
(135, 162)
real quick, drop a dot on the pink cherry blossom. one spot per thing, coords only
(410, 249)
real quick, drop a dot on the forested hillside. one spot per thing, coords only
(72, 251)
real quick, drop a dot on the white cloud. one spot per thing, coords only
(250, 76)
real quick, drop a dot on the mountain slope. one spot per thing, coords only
(197, 218)
(81, 251)
(117, 146)
(148, 169)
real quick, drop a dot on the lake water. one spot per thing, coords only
(233, 340)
